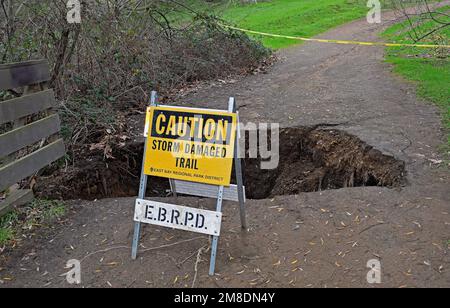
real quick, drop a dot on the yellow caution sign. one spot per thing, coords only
(195, 145)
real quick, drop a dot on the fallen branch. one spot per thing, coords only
(199, 258)
(103, 251)
(174, 244)
(144, 250)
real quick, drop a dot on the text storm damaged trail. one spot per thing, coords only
(186, 144)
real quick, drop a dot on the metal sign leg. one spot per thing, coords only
(240, 187)
(215, 242)
(136, 236)
(173, 188)
(142, 190)
(232, 107)
(137, 225)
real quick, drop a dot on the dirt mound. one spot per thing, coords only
(96, 178)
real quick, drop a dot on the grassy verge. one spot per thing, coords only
(36, 214)
(428, 68)
(292, 17)
(305, 18)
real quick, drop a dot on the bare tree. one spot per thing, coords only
(9, 9)
(423, 17)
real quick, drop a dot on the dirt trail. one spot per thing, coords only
(321, 239)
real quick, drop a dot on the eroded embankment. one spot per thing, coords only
(311, 159)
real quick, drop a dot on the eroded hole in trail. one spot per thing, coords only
(310, 160)
(316, 159)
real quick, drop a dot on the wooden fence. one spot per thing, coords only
(29, 129)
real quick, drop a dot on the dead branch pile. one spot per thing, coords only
(104, 68)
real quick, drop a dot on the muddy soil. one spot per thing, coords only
(311, 159)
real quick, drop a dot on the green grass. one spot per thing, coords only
(6, 235)
(428, 68)
(295, 18)
(7, 224)
(305, 18)
(37, 213)
(52, 209)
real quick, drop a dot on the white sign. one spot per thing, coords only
(178, 217)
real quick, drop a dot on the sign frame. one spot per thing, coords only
(229, 193)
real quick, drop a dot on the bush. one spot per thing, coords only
(119, 52)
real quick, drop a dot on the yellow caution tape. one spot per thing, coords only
(336, 41)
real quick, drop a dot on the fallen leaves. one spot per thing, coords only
(278, 208)
(293, 281)
(277, 263)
